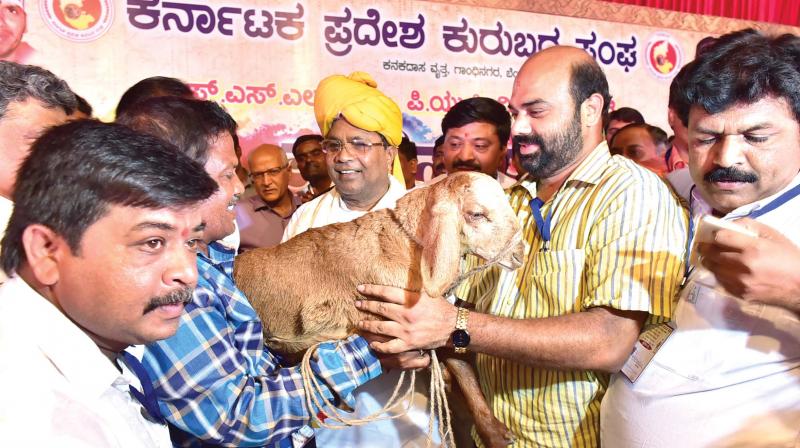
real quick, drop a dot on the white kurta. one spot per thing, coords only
(729, 374)
(330, 208)
(56, 387)
(410, 430)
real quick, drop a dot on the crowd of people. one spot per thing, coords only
(121, 324)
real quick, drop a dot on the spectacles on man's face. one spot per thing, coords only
(360, 146)
(256, 175)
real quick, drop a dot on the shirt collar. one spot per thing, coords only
(72, 352)
(701, 207)
(589, 171)
(260, 205)
(395, 191)
(218, 253)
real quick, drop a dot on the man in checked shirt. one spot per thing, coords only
(215, 380)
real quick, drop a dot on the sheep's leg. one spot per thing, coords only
(492, 432)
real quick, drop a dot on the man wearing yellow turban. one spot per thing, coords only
(362, 128)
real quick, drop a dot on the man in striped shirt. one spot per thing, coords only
(606, 242)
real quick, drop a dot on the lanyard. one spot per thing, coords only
(542, 222)
(777, 202)
(687, 267)
(146, 397)
(761, 211)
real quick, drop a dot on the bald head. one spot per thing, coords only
(559, 59)
(267, 150)
(567, 68)
(269, 170)
(559, 100)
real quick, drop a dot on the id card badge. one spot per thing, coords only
(645, 349)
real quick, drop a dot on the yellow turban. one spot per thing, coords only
(357, 99)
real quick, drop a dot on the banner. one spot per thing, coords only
(263, 60)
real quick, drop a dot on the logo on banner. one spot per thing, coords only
(78, 20)
(664, 55)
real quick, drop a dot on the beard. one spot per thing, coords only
(183, 295)
(555, 151)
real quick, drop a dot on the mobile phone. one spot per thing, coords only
(706, 227)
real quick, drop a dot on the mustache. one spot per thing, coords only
(183, 295)
(730, 174)
(469, 164)
(526, 139)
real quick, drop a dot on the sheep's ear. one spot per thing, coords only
(441, 248)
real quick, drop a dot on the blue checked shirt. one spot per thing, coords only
(217, 381)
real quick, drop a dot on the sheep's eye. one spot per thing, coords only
(476, 216)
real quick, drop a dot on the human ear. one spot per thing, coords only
(43, 248)
(592, 110)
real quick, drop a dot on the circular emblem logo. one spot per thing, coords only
(78, 20)
(664, 55)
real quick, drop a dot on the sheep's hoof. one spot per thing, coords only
(494, 434)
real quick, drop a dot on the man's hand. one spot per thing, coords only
(764, 269)
(415, 320)
(413, 359)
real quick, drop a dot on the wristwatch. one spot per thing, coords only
(460, 336)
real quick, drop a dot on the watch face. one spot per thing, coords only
(460, 338)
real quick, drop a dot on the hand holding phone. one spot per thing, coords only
(707, 226)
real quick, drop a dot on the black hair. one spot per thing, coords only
(83, 106)
(75, 171)
(657, 135)
(743, 67)
(439, 142)
(19, 82)
(191, 125)
(626, 115)
(305, 138)
(586, 79)
(704, 45)
(407, 148)
(480, 110)
(154, 86)
(676, 100)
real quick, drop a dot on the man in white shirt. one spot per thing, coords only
(362, 129)
(725, 372)
(31, 100)
(100, 252)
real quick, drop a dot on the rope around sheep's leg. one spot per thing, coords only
(438, 407)
(313, 388)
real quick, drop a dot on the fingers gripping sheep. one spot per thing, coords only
(304, 289)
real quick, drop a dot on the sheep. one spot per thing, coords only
(304, 289)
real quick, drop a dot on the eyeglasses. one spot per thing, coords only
(269, 173)
(334, 146)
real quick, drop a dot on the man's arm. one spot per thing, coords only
(597, 339)
(215, 380)
(764, 269)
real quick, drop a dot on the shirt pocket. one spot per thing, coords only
(556, 282)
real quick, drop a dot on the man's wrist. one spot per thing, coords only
(460, 337)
